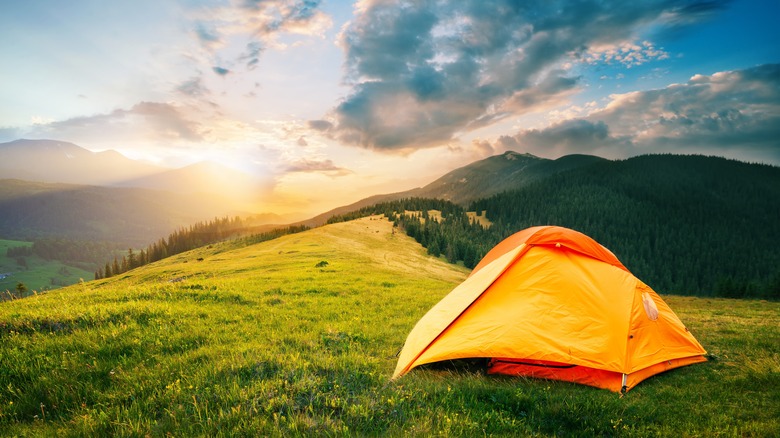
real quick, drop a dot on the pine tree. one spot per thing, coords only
(131, 259)
(115, 268)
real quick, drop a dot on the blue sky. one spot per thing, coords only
(379, 96)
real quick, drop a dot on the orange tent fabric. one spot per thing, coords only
(551, 302)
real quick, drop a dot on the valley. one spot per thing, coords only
(34, 273)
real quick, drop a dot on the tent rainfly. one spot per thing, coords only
(552, 303)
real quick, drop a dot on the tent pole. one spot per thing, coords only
(623, 388)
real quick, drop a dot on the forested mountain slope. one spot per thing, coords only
(684, 224)
(688, 225)
(486, 177)
(497, 174)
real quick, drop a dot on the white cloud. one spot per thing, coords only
(733, 113)
(239, 32)
(629, 54)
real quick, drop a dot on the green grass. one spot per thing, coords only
(260, 341)
(38, 274)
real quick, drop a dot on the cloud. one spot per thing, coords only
(320, 125)
(164, 118)
(628, 54)
(193, 88)
(220, 70)
(691, 11)
(483, 147)
(148, 120)
(10, 133)
(296, 16)
(321, 166)
(424, 73)
(251, 55)
(727, 113)
(207, 35)
(566, 137)
(260, 22)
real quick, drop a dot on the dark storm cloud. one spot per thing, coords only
(735, 113)
(390, 41)
(423, 71)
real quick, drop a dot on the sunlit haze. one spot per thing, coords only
(328, 102)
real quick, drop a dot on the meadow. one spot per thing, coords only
(298, 336)
(36, 273)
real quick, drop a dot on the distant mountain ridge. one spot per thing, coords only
(52, 161)
(134, 216)
(480, 179)
(55, 161)
(204, 177)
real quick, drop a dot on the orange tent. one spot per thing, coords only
(551, 302)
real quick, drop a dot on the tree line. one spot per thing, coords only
(188, 238)
(672, 249)
(451, 233)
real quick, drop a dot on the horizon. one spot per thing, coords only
(363, 98)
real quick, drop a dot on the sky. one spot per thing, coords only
(328, 102)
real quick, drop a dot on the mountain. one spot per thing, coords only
(134, 216)
(52, 161)
(55, 161)
(206, 178)
(685, 224)
(54, 189)
(496, 174)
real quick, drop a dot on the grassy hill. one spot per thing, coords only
(34, 272)
(298, 335)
